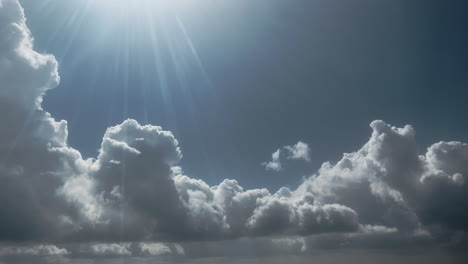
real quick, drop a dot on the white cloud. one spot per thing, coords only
(377, 229)
(299, 151)
(179, 249)
(387, 181)
(275, 163)
(155, 249)
(20, 60)
(37, 250)
(109, 249)
(34, 157)
(48, 192)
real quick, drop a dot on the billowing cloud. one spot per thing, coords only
(133, 200)
(388, 182)
(34, 156)
(234, 212)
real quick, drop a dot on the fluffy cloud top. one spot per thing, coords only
(133, 191)
(388, 182)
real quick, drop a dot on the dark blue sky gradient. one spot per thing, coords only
(273, 73)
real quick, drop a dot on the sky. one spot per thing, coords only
(203, 131)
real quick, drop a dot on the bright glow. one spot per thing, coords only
(138, 7)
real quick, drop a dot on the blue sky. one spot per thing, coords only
(260, 76)
(234, 82)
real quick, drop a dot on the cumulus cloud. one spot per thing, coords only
(275, 163)
(34, 156)
(388, 182)
(133, 190)
(298, 151)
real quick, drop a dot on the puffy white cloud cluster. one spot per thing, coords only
(229, 209)
(133, 190)
(389, 183)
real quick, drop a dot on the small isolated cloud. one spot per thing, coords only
(298, 151)
(274, 164)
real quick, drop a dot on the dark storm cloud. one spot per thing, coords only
(133, 191)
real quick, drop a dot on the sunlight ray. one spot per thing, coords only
(194, 53)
